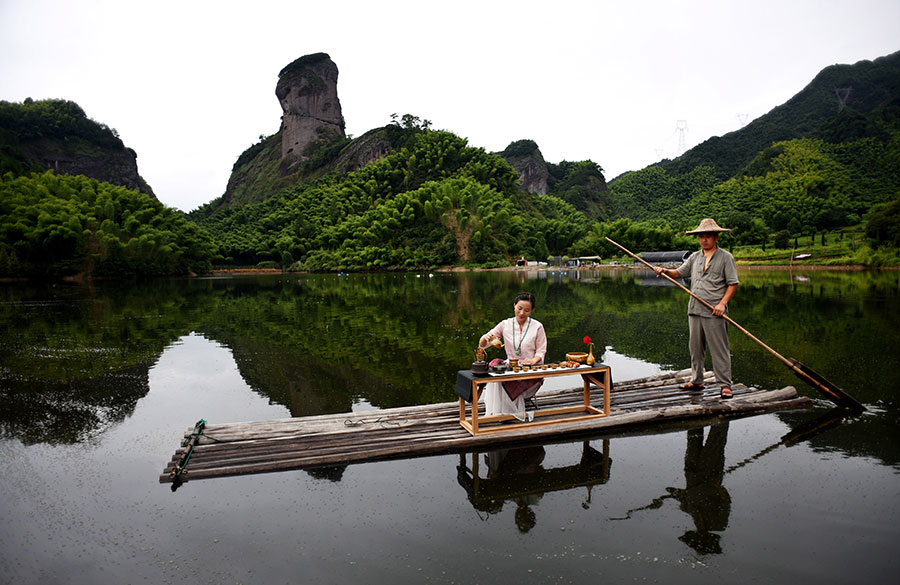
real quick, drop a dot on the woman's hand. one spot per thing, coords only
(530, 361)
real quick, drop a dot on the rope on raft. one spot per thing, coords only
(380, 420)
(189, 442)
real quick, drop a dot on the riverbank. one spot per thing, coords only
(244, 271)
(450, 269)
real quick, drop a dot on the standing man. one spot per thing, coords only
(713, 274)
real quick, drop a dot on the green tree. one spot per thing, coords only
(782, 239)
(883, 225)
(55, 225)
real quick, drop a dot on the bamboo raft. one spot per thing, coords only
(295, 443)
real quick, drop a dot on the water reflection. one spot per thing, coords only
(61, 412)
(518, 476)
(75, 360)
(804, 431)
(333, 473)
(77, 357)
(704, 497)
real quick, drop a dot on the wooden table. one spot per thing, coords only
(598, 374)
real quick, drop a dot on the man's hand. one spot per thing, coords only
(719, 310)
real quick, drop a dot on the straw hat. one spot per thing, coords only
(708, 226)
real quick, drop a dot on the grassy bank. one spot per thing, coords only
(839, 248)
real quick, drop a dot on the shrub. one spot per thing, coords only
(782, 239)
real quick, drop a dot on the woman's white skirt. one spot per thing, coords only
(497, 401)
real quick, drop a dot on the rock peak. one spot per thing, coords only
(526, 158)
(307, 91)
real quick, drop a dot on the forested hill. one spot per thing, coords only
(821, 161)
(434, 201)
(837, 104)
(72, 203)
(406, 197)
(57, 134)
(73, 226)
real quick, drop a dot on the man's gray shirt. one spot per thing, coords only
(709, 285)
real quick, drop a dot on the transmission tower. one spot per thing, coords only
(742, 118)
(843, 94)
(681, 128)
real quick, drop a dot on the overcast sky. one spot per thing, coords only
(190, 84)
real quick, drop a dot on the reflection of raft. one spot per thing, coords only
(296, 443)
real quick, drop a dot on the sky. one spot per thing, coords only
(189, 85)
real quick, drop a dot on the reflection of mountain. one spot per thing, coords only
(306, 385)
(75, 359)
(396, 344)
(518, 476)
(56, 412)
(319, 343)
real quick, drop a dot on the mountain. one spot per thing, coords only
(56, 134)
(433, 200)
(820, 161)
(399, 197)
(311, 133)
(837, 93)
(311, 144)
(580, 183)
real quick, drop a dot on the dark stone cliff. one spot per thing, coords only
(58, 135)
(116, 166)
(526, 158)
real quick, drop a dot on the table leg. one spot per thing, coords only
(474, 407)
(607, 386)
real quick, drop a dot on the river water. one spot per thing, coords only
(98, 384)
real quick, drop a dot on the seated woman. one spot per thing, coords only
(525, 340)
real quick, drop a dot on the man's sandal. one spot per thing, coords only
(691, 386)
(726, 392)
